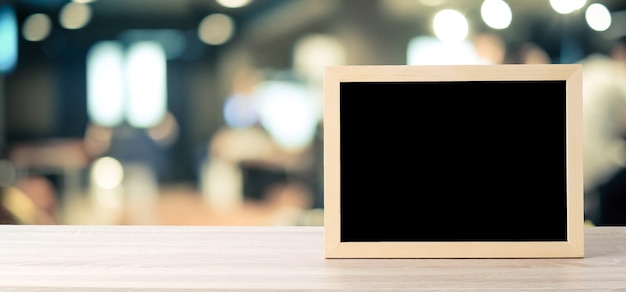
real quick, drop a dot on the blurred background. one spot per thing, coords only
(209, 112)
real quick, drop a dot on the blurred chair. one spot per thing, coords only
(37, 162)
(17, 208)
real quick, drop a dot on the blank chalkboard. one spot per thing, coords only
(453, 161)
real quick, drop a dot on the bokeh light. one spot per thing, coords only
(75, 15)
(450, 26)
(36, 27)
(598, 17)
(107, 173)
(567, 6)
(241, 111)
(146, 73)
(426, 50)
(496, 14)
(105, 83)
(288, 112)
(8, 39)
(314, 52)
(234, 3)
(216, 29)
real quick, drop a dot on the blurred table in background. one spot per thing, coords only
(178, 258)
(183, 205)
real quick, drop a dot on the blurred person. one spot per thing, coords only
(528, 53)
(604, 128)
(490, 48)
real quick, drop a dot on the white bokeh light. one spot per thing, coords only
(105, 83)
(313, 53)
(216, 29)
(8, 42)
(450, 26)
(289, 113)
(598, 17)
(567, 6)
(234, 3)
(147, 79)
(107, 173)
(427, 50)
(496, 14)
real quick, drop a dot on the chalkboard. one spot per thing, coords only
(453, 161)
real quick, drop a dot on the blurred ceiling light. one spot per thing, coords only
(8, 39)
(233, 3)
(313, 52)
(36, 27)
(83, 1)
(105, 83)
(578, 4)
(146, 73)
(75, 15)
(598, 17)
(567, 6)
(288, 112)
(427, 50)
(216, 29)
(107, 172)
(496, 14)
(450, 26)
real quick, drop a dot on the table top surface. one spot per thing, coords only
(160, 258)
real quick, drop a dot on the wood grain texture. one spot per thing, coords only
(164, 258)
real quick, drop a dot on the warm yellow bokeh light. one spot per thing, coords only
(75, 15)
(36, 27)
(107, 173)
(216, 29)
(496, 14)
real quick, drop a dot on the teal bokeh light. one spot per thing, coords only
(8, 39)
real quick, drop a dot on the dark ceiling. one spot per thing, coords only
(113, 16)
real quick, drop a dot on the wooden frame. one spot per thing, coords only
(571, 246)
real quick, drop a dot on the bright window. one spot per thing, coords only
(105, 84)
(126, 85)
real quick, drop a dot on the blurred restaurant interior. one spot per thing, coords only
(209, 112)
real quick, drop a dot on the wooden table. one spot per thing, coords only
(159, 258)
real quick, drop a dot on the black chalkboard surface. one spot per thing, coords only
(445, 155)
(423, 155)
